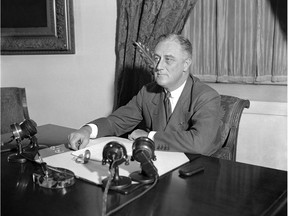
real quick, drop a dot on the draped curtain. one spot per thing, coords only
(142, 21)
(241, 41)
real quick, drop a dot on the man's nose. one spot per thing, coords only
(159, 65)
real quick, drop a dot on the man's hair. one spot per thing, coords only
(184, 42)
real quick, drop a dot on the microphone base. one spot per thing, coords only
(16, 158)
(139, 177)
(122, 182)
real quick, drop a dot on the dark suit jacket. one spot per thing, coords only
(192, 127)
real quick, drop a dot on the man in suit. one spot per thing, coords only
(191, 123)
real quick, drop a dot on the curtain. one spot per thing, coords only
(241, 41)
(142, 21)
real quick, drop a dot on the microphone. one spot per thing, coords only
(143, 150)
(26, 129)
(115, 154)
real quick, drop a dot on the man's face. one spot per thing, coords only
(172, 65)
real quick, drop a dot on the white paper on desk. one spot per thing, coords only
(96, 146)
(94, 171)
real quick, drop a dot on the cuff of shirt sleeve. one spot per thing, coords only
(151, 135)
(94, 133)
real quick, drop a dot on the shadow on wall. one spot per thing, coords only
(279, 9)
(129, 82)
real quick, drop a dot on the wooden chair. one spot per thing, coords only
(13, 107)
(231, 112)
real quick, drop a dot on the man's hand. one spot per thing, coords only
(137, 133)
(80, 138)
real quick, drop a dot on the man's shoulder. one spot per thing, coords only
(203, 88)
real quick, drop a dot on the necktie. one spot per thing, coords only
(167, 104)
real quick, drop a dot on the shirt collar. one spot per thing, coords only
(177, 92)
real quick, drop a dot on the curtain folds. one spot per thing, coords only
(144, 21)
(241, 41)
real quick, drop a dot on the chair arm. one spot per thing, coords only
(223, 153)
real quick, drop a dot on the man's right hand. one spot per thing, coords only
(80, 138)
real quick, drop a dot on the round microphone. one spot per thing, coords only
(145, 146)
(143, 151)
(25, 129)
(114, 152)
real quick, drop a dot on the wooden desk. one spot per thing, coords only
(225, 188)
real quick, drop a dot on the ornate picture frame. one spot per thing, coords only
(43, 27)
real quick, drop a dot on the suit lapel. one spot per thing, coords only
(182, 111)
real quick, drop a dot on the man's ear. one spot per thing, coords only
(187, 63)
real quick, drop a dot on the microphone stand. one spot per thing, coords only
(117, 181)
(148, 171)
(115, 154)
(21, 155)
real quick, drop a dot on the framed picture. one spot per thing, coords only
(37, 27)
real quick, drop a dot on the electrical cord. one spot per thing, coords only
(7, 142)
(134, 198)
(3, 144)
(105, 195)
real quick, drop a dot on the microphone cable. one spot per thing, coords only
(7, 142)
(3, 144)
(134, 198)
(105, 195)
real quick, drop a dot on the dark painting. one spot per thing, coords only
(37, 27)
(23, 13)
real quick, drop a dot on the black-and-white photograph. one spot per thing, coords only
(143, 107)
